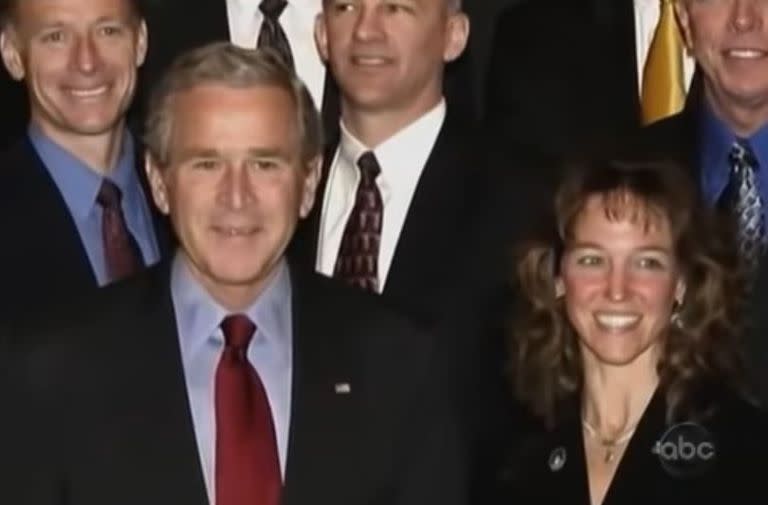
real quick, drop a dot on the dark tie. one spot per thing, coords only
(121, 252)
(247, 462)
(271, 34)
(358, 258)
(742, 197)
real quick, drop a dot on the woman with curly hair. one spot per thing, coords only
(625, 348)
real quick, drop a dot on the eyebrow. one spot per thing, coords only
(594, 245)
(256, 152)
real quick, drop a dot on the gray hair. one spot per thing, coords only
(227, 64)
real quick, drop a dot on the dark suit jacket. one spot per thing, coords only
(737, 430)
(563, 74)
(450, 268)
(104, 416)
(13, 103)
(43, 260)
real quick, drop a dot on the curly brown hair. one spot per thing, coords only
(701, 349)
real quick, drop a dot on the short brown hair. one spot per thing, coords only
(225, 63)
(546, 359)
(8, 9)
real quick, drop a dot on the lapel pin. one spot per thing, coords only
(342, 388)
(557, 459)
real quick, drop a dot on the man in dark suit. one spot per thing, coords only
(722, 138)
(405, 196)
(228, 374)
(567, 75)
(72, 201)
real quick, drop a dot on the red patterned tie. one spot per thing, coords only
(358, 258)
(247, 462)
(121, 252)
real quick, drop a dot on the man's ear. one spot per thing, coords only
(321, 37)
(157, 184)
(311, 182)
(142, 44)
(9, 49)
(458, 34)
(684, 22)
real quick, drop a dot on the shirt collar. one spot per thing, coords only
(78, 183)
(717, 139)
(420, 133)
(199, 315)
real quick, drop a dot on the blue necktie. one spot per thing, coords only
(747, 204)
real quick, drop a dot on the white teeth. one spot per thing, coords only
(236, 232)
(361, 60)
(746, 53)
(88, 93)
(617, 321)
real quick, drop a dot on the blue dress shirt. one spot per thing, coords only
(716, 140)
(79, 185)
(201, 341)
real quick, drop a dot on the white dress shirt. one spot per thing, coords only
(402, 158)
(646, 18)
(298, 23)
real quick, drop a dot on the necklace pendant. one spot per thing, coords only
(608, 456)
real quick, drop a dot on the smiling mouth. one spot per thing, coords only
(617, 320)
(236, 231)
(746, 54)
(88, 92)
(370, 61)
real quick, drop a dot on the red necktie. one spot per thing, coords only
(121, 252)
(247, 462)
(358, 259)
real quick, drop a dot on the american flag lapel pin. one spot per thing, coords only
(342, 388)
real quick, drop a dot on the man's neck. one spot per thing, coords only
(744, 119)
(374, 127)
(99, 152)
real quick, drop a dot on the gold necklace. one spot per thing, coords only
(610, 445)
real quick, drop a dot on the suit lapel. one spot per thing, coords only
(174, 471)
(51, 221)
(430, 236)
(325, 361)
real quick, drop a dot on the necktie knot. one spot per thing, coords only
(238, 330)
(369, 166)
(272, 8)
(109, 195)
(742, 156)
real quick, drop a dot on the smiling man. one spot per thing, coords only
(723, 137)
(72, 201)
(229, 375)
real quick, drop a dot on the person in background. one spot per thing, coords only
(73, 197)
(625, 348)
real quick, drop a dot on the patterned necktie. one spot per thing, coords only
(358, 258)
(271, 34)
(121, 252)
(247, 461)
(663, 90)
(743, 198)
